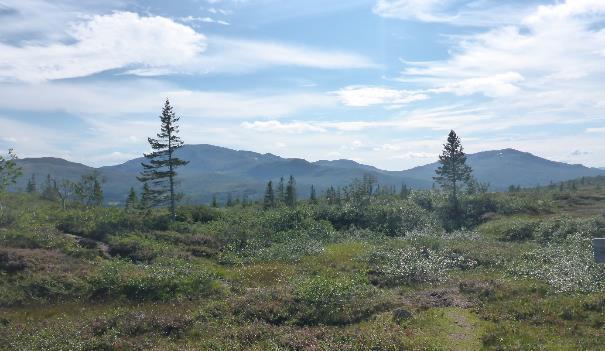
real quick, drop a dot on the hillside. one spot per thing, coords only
(501, 168)
(218, 170)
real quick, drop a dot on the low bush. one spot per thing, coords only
(162, 281)
(132, 249)
(390, 218)
(197, 214)
(414, 265)
(567, 266)
(10, 262)
(338, 299)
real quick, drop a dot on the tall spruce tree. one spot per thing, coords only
(269, 201)
(160, 172)
(291, 197)
(452, 174)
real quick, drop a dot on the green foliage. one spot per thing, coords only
(391, 218)
(159, 174)
(378, 274)
(269, 200)
(88, 190)
(197, 214)
(161, 281)
(339, 299)
(9, 171)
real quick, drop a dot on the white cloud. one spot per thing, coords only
(424, 10)
(296, 127)
(117, 99)
(154, 45)
(192, 19)
(497, 85)
(595, 130)
(43, 20)
(104, 42)
(226, 55)
(363, 96)
(548, 68)
(485, 13)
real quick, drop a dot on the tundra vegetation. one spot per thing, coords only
(359, 268)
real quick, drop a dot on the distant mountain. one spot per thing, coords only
(218, 170)
(501, 168)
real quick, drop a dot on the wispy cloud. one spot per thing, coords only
(141, 97)
(151, 46)
(487, 13)
(228, 55)
(364, 96)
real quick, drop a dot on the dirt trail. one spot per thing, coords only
(465, 334)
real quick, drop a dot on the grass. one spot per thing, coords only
(312, 278)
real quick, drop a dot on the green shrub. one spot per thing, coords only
(131, 249)
(197, 214)
(560, 228)
(336, 299)
(7, 218)
(162, 281)
(390, 218)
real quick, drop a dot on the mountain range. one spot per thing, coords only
(220, 171)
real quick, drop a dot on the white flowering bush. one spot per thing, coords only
(567, 266)
(412, 265)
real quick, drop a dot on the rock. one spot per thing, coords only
(401, 314)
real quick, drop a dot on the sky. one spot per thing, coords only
(381, 82)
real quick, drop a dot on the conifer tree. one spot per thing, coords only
(452, 174)
(131, 200)
(146, 197)
(160, 172)
(229, 200)
(32, 187)
(269, 201)
(50, 191)
(214, 202)
(404, 192)
(89, 190)
(291, 192)
(453, 171)
(313, 196)
(281, 191)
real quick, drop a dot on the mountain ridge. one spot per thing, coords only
(220, 170)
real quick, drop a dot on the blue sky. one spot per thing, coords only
(378, 81)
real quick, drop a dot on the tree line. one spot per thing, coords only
(159, 178)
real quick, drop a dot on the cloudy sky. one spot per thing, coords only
(378, 81)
